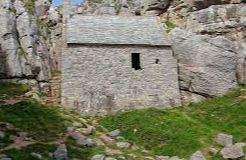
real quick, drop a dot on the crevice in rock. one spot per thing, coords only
(194, 92)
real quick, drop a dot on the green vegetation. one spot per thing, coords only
(182, 131)
(21, 52)
(13, 10)
(46, 125)
(55, 73)
(41, 122)
(43, 28)
(83, 152)
(29, 5)
(25, 153)
(12, 89)
(170, 25)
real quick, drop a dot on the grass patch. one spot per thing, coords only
(83, 152)
(79, 152)
(56, 73)
(6, 140)
(41, 122)
(8, 89)
(184, 130)
(25, 153)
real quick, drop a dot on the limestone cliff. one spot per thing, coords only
(25, 41)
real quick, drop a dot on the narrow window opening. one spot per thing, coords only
(157, 61)
(136, 61)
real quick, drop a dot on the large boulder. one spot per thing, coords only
(207, 66)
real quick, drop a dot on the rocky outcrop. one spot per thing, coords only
(20, 42)
(26, 51)
(207, 65)
(124, 7)
(222, 21)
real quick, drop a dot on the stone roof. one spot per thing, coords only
(116, 30)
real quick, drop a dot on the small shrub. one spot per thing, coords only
(13, 10)
(55, 73)
(29, 5)
(170, 25)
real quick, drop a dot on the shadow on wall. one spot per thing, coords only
(3, 64)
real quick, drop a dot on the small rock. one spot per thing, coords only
(112, 152)
(241, 144)
(123, 144)
(70, 129)
(132, 155)
(77, 124)
(110, 158)
(197, 156)
(114, 133)
(214, 151)
(86, 142)
(107, 140)
(224, 139)
(33, 95)
(61, 153)
(6, 158)
(175, 158)
(149, 158)
(2, 135)
(88, 130)
(122, 158)
(232, 152)
(98, 157)
(145, 151)
(81, 139)
(36, 155)
(3, 156)
(77, 135)
(162, 157)
(82, 120)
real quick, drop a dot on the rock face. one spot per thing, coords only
(224, 139)
(207, 65)
(124, 7)
(23, 46)
(232, 152)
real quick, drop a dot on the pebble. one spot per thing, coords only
(114, 133)
(2, 135)
(123, 144)
(98, 157)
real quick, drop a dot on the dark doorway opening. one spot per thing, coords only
(136, 61)
(157, 61)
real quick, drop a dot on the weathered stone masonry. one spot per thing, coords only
(100, 78)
